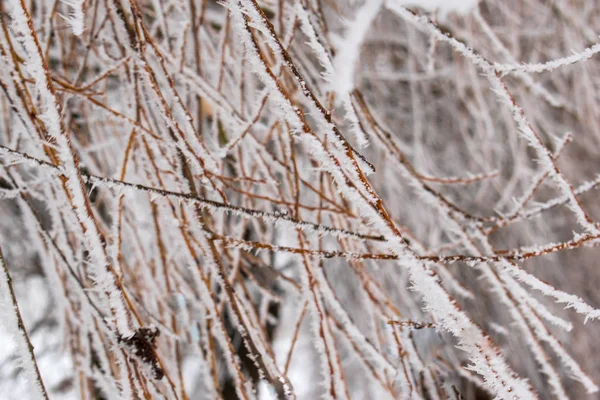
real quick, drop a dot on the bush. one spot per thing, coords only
(298, 199)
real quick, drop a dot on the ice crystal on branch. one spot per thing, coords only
(298, 199)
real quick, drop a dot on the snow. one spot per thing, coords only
(444, 7)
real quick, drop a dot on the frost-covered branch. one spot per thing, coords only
(300, 199)
(13, 323)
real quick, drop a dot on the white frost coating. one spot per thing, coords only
(543, 153)
(291, 112)
(346, 58)
(218, 329)
(105, 382)
(124, 188)
(51, 117)
(542, 332)
(313, 41)
(549, 65)
(543, 312)
(247, 328)
(283, 179)
(560, 200)
(76, 18)
(335, 76)
(534, 329)
(561, 297)
(417, 364)
(537, 88)
(486, 360)
(348, 48)
(10, 323)
(343, 318)
(324, 345)
(444, 7)
(533, 343)
(505, 97)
